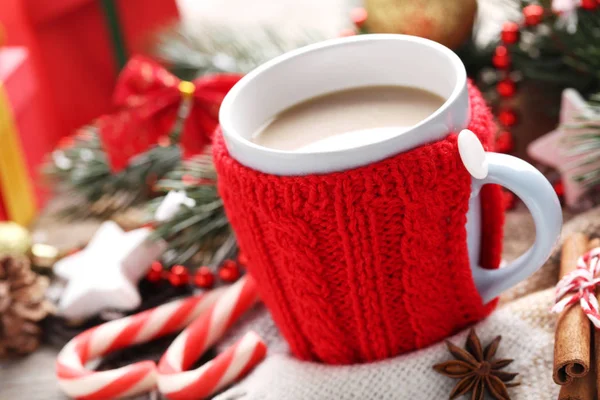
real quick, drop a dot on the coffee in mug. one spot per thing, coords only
(349, 117)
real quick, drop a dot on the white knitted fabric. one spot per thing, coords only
(527, 330)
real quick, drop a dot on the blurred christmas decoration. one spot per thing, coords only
(14, 239)
(79, 47)
(447, 22)
(216, 48)
(44, 256)
(22, 306)
(22, 147)
(81, 164)
(160, 138)
(58, 330)
(557, 42)
(105, 274)
(552, 46)
(154, 104)
(571, 147)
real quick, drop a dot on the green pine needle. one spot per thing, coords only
(582, 144)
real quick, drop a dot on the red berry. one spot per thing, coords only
(533, 14)
(504, 142)
(155, 272)
(347, 32)
(179, 276)
(501, 51)
(507, 117)
(242, 259)
(510, 33)
(204, 278)
(501, 61)
(589, 4)
(506, 88)
(359, 16)
(559, 188)
(229, 272)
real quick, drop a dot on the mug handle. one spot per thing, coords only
(535, 191)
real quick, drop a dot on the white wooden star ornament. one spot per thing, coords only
(105, 274)
(549, 150)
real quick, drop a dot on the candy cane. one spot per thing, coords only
(176, 383)
(78, 382)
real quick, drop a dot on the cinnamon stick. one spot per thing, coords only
(572, 340)
(580, 389)
(585, 388)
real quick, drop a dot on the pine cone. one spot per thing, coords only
(22, 306)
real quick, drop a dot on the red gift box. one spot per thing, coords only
(72, 49)
(23, 144)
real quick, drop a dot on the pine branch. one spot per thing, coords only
(550, 53)
(582, 143)
(195, 234)
(215, 48)
(82, 168)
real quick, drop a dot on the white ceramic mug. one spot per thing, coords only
(370, 60)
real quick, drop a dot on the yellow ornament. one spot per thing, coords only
(14, 239)
(448, 22)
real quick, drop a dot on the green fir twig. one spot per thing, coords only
(194, 234)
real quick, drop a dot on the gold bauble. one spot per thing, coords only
(448, 22)
(14, 239)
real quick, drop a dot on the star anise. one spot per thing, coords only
(477, 370)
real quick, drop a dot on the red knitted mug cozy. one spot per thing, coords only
(368, 263)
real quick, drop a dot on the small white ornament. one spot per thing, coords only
(567, 14)
(472, 154)
(105, 274)
(171, 205)
(224, 62)
(61, 160)
(86, 155)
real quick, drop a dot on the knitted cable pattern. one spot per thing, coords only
(368, 263)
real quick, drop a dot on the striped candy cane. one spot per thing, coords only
(579, 286)
(80, 383)
(176, 383)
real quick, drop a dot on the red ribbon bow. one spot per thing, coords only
(148, 98)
